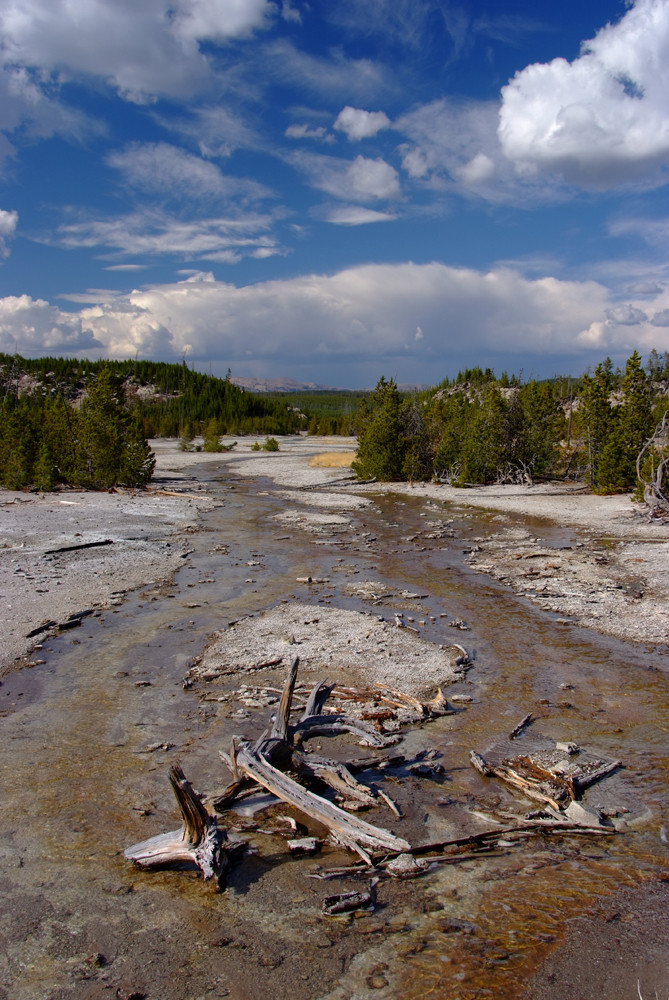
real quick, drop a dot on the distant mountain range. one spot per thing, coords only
(282, 384)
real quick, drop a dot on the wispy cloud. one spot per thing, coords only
(361, 179)
(8, 224)
(171, 171)
(156, 233)
(351, 215)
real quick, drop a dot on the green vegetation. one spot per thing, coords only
(480, 429)
(86, 424)
(329, 411)
(44, 441)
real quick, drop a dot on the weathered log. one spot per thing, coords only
(280, 727)
(346, 902)
(517, 730)
(334, 774)
(347, 830)
(479, 764)
(401, 699)
(333, 725)
(317, 698)
(583, 781)
(200, 842)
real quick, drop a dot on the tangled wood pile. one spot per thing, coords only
(279, 763)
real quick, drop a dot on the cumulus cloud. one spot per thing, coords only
(359, 314)
(8, 224)
(626, 315)
(603, 119)
(225, 239)
(453, 146)
(108, 39)
(32, 325)
(362, 179)
(359, 124)
(661, 318)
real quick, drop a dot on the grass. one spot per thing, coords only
(332, 460)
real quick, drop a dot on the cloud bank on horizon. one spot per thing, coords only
(206, 179)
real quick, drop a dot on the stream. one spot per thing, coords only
(79, 784)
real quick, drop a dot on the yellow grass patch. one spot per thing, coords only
(332, 460)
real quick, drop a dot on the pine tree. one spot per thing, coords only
(616, 471)
(381, 445)
(597, 416)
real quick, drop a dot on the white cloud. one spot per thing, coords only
(357, 314)
(354, 215)
(359, 124)
(308, 132)
(32, 325)
(219, 20)
(215, 129)
(603, 119)
(170, 170)
(226, 239)
(362, 179)
(454, 147)
(478, 170)
(626, 315)
(8, 224)
(137, 48)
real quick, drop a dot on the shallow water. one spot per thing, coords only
(78, 785)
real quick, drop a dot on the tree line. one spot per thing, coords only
(86, 424)
(480, 429)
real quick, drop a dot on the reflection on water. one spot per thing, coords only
(76, 732)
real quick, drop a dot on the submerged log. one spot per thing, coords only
(200, 842)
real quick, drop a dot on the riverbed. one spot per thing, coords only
(89, 733)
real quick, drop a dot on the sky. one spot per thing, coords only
(335, 190)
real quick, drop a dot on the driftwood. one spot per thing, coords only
(522, 725)
(277, 759)
(553, 785)
(346, 902)
(347, 830)
(200, 842)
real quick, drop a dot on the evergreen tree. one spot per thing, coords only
(616, 471)
(596, 415)
(381, 446)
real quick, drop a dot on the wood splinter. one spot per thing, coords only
(200, 842)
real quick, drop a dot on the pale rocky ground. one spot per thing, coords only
(356, 645)
(616, 580)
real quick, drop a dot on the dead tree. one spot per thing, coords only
(653, 493)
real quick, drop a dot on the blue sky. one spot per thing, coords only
(335, 189)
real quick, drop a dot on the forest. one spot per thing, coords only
(481, 429)
(86, 424)
(81, 423)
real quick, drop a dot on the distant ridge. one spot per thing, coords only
(283, 384)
